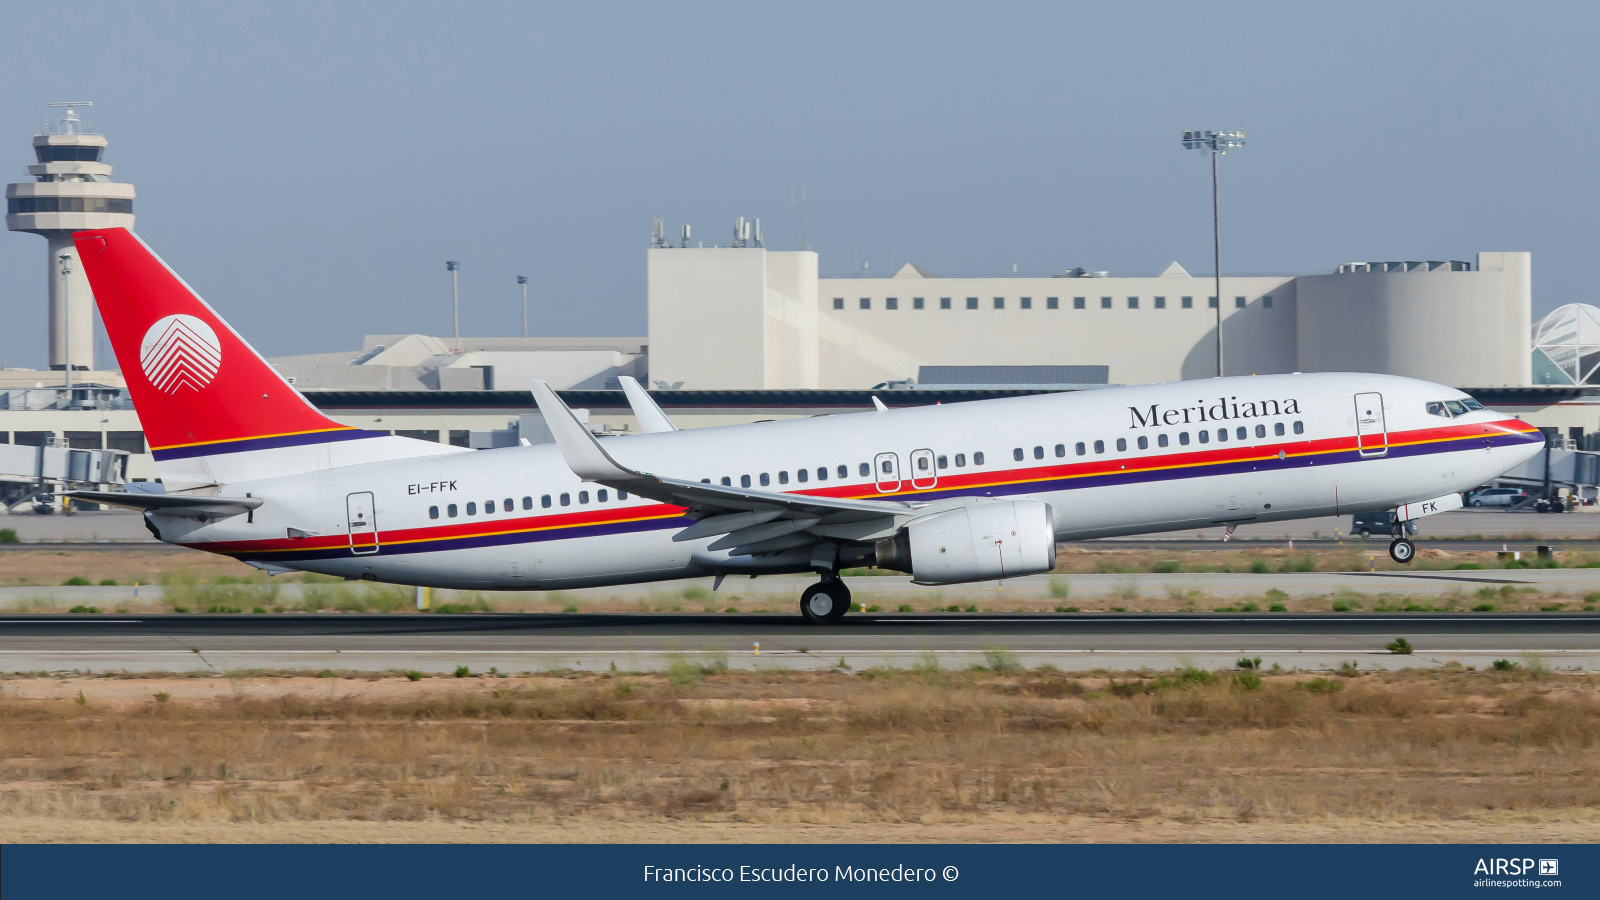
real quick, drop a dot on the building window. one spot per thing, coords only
(944, 302)
(1266, 302)
(1133, 302)
(1105, 302)
(460, 438)
(1211, 302)
(916, 303)
(1187, 303)
(972, 303)
(1238, 302)
(1077, 303)
(133, 441)
(838, 303)
(866, 302)
(1161, 303)
(891, 303)
(1025, 302)
(999, 303)
(433, 512)
(1052, 303)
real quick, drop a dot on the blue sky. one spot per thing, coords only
(309, 168)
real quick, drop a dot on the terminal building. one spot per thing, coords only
(742, 333)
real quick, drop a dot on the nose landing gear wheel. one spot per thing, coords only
(1402, 550)
(825, 602)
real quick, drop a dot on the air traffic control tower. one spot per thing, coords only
(71, 191)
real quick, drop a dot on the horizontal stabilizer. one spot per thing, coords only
(172, 504)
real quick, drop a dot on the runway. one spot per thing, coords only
(645, 642)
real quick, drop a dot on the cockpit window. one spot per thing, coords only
(1470, 403)
(1456, 407)
(1436, 408)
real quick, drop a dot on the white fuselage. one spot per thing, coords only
(1303, 453)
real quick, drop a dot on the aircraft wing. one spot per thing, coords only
(753, 521)
(651, 419)
(172, 504)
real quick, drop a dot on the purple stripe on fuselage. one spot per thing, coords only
(264, 443)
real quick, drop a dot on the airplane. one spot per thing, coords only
(952, 493)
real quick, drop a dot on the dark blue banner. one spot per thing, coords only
(455, 872)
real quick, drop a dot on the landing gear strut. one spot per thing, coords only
(825, 602)
(1402, 550)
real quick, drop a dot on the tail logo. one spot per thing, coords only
(180, 351)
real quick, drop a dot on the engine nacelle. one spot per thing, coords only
(975, 543)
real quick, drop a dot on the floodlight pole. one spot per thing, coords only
(523, 280)
(455, 295)
(1216, 143)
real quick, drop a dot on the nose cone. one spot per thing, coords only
(1521, 447)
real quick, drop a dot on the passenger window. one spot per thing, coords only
(600, 496)
(583, 496)
(545, 501)
(1080, 448)
(886, 466)
(433, 512)
(566, 499)
(744, 481)
(1016, 454)
(922, 462)
(472, 508)
(1144, 442)
(1061, 450)
(1456, 409)
(961, 460)
(527, 503)
(977, 458)
(1099, 446)
(726, 481)
(1122, 445)
(802, 475)
(1241, 433)
(1261, 431)
(783, 477)
(1436, 408)
(508, 506)
(843, 471)
(1299, 428)
(1277, 429)
(822, 473)
(865, 470)
(1183, 438)
(488, 506)
(450, 510)
(1161, 440)
(1205, 437)
(1222, 434)
(621, 496)
(1038, 453)
(765, 479)
(944, 462)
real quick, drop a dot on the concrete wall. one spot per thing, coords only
(1455, 328)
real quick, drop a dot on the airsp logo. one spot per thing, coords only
(178, 352)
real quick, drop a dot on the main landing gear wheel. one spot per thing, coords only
(1402, 550)
(825, 602)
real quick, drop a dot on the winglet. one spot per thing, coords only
(879, 404)
(651, 418)
(583, 454)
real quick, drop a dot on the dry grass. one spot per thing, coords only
(925, 752)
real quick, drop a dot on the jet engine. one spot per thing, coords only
(1001, 539)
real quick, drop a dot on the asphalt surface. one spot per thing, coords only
(638, 642)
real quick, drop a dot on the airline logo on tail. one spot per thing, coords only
(180, 351)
